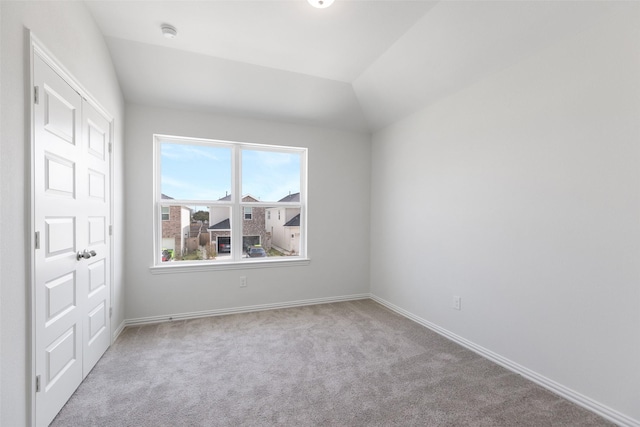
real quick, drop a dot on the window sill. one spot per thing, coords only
(185, 267)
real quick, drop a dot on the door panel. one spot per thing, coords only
(97, 185)
(96, 230)
(59, 236)
(97, 278)
(98, 139)
(60, 113)
(97, 322)
(96, 332)
(61, 355)
(60, 295)
(71, 214)
(58, 213)
(60, 176)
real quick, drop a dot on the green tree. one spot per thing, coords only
(201, 216)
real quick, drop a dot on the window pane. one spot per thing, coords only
(275, 232)
(270, 176)
(186, 236)
(194, 172)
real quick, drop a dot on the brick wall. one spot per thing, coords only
(172, 228)
(255, 227)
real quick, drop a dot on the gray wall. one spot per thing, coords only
(521, 194)
(68, 31)
(339, 192)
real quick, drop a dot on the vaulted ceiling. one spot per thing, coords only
(358, 65)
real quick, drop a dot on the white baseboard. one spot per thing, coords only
(118, 331)
(569, 394)
(219, 312)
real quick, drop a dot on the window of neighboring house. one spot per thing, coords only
(215, 186)
(248, 212)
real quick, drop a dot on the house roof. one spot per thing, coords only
(295, 197)
(222, 225)
(245, 198)
(164, 196)
(293, 222)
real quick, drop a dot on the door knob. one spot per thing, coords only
(85, 254)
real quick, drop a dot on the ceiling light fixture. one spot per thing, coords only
(321, 4)
(169, 31)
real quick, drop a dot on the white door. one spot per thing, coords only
(96, 333)
(71, 215)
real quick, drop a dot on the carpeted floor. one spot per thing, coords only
(344, 364)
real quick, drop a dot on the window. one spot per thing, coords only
(221, 196)
(248, 212)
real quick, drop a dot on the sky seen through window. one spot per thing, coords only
(203, 172)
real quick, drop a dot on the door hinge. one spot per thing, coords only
(36, 95)
(37, 240)
(110, 147)
(110, 312)
(111, 230)
(37, 383)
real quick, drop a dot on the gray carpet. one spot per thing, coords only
(344, 364)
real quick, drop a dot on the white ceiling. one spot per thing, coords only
(358, 65)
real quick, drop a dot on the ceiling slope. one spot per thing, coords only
(159, 76)
(337, 43)
(359, 65)
(460, 42)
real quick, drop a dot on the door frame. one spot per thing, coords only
(36, 47)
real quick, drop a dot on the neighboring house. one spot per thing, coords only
(283, 224)
(253, 226)
(176, 227)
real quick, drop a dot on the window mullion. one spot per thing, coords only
(236, 211)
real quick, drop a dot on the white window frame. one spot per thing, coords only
(168, 213)
(236, 206)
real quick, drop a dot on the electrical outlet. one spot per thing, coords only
(243, 281)
(456, 302)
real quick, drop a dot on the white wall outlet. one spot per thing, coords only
(243, 281)
(457, 301)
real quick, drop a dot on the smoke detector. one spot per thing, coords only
(320, 4)
(169, 31)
